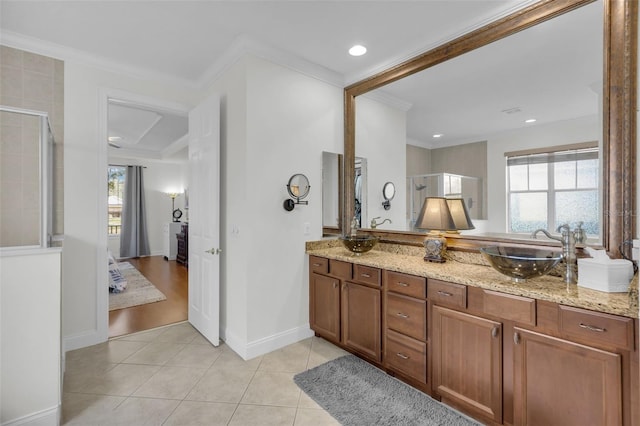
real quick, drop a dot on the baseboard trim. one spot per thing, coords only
(48, 417)
(267, 344)
(81, 340)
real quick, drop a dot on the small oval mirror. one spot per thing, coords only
(298, 186)
(388, 191)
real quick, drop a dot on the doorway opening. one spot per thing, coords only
(142, 133)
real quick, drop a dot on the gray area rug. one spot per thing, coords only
(139, 290)
(356, 393)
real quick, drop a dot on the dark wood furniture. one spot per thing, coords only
(500, 358)
(183, 245)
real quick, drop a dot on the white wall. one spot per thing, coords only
(30, 371)
(381, 138)
(85, 183)
(159, 178)
(275, 122)
(559, 133)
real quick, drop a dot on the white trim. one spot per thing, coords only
(50, 416)
(102, 272)
(244, 44)
(383, 66)
(388, 99)
(176, 146)
(82, 339)
(267, 344)
(65, 53)
(28, 251)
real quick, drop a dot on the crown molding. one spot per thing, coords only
(380, 67)
(245, 45)
(68, 54)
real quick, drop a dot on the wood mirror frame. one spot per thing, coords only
(619, 114)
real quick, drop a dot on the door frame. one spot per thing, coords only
(102, 267)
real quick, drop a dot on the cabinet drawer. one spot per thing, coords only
(367, 275)
(319, 265)
(510, 307)
(447, 294)
(410, 285)
(406, 355)
(596, 327)
(407, 315)
(340, 269)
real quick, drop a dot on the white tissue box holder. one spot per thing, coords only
(609, 275)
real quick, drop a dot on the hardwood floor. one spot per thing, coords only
(169, 277)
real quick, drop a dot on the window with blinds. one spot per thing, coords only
(549, 187)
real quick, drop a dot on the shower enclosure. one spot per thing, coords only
(26, 181)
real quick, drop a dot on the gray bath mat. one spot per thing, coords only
(356, 393)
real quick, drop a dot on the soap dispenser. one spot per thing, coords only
(579, 234)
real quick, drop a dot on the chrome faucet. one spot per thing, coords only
(568, 239)
(375, 224)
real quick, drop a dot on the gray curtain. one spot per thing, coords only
(134, 241)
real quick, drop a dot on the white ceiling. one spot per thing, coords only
(187, 40)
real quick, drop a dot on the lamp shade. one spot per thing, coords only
(460, 214)
(435, 215)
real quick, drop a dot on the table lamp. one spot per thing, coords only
(436, 217)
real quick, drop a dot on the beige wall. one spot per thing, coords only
(418, 160)
(33, 82)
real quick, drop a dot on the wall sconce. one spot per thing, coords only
(298, 188)
(388, 192)
(436, 217)
(176, 213)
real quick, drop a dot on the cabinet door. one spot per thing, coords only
(361, 329)
(557, 382)
(324, 306)
(467, 361)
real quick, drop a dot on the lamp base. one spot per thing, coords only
(435, 247)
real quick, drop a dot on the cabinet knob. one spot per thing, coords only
(494, 331)
(335, 284)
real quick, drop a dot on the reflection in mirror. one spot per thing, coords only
(388, 192)
(545, 73)
(331, 191)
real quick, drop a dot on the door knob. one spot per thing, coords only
(213, 251)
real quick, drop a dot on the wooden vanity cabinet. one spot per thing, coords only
(345, 305)
(466, 354)
(405, 326)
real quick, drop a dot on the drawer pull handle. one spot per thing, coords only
(593, 328)
(516, 338)
(401, 315)
(445, 293)
(317, 264)
(365, 275)
(401, 355)
(403, 284)
(494, 331)
(335, 284)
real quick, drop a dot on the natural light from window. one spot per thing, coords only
(116, 195)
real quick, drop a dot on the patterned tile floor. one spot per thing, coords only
(173, 376)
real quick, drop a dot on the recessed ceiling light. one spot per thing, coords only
(357, 50)
(438, 135)
(531, 120)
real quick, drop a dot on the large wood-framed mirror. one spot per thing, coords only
(618, 111)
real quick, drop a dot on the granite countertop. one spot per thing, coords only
(471, 269)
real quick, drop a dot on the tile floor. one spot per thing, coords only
(173, 376)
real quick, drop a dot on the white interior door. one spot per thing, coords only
(204, 218)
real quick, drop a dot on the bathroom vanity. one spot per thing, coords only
(534, 353)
